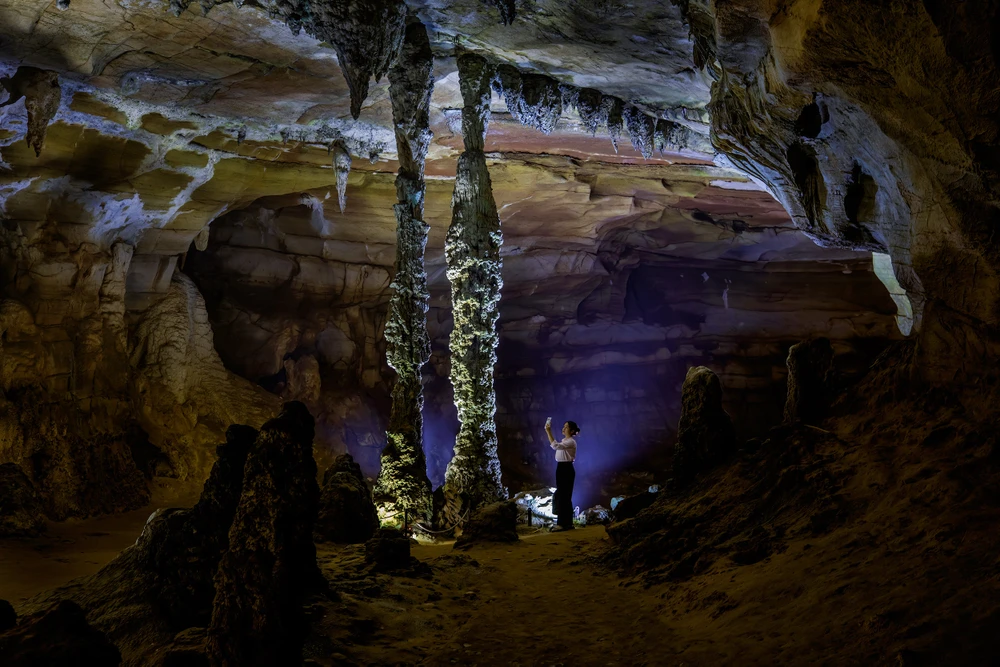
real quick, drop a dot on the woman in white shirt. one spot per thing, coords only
(565, 473)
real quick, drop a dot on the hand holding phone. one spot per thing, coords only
(548, 422)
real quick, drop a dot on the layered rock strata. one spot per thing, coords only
(402, 485)
(472, 250)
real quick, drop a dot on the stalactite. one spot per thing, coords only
(402, 486)
(342, 164)
(534, 100)
(472, 251)
(612, 109)
(592, 112)
(640, 130)
(367, 34)
(41, 93)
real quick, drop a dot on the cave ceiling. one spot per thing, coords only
(170, 121)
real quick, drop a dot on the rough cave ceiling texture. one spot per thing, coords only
(619, 271)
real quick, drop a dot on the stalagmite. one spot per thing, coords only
(472, 251)
(342, 164)
(41, 93)
(402, 486)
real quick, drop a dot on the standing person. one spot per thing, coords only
(565, 473)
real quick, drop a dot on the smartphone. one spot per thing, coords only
(548, 422)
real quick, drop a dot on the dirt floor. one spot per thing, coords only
(541, 601)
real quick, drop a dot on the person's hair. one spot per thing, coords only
(573, 428)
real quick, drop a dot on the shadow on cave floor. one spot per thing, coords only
(80, 547)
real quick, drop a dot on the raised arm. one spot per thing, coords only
(548, 432)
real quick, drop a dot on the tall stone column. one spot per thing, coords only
(472, 251)
(402, 486)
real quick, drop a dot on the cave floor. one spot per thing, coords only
(542, 601)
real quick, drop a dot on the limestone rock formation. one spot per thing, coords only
(810, 364)
(193, 541)
(257, 616)
(342, 165)
(473, 254)
(490, 523)
(20, 506)
(402, 486)
(188, 398)
(41, 93)
(57, 636)
(705, 434)
(507, 9)
(346, 512)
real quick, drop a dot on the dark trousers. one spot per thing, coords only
(563, 499)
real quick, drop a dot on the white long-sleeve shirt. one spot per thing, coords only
(565, 450)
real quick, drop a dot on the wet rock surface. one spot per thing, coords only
(20, 506)
(57, 636)
(346, 511)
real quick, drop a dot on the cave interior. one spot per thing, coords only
(288, 289)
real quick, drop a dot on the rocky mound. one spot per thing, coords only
(873, 535)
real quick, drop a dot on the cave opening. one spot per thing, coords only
(385, 329)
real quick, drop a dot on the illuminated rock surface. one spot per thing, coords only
(472, 252)
(402, 486)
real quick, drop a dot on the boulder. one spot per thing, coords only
(20, 506)
(810, 364)
(58, 636)
(346, 512)
(388, 550)
(492, 523)
(257, 616)
(705, 434)
(628, 507)
(597, 515)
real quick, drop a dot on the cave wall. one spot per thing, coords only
(613, 286)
